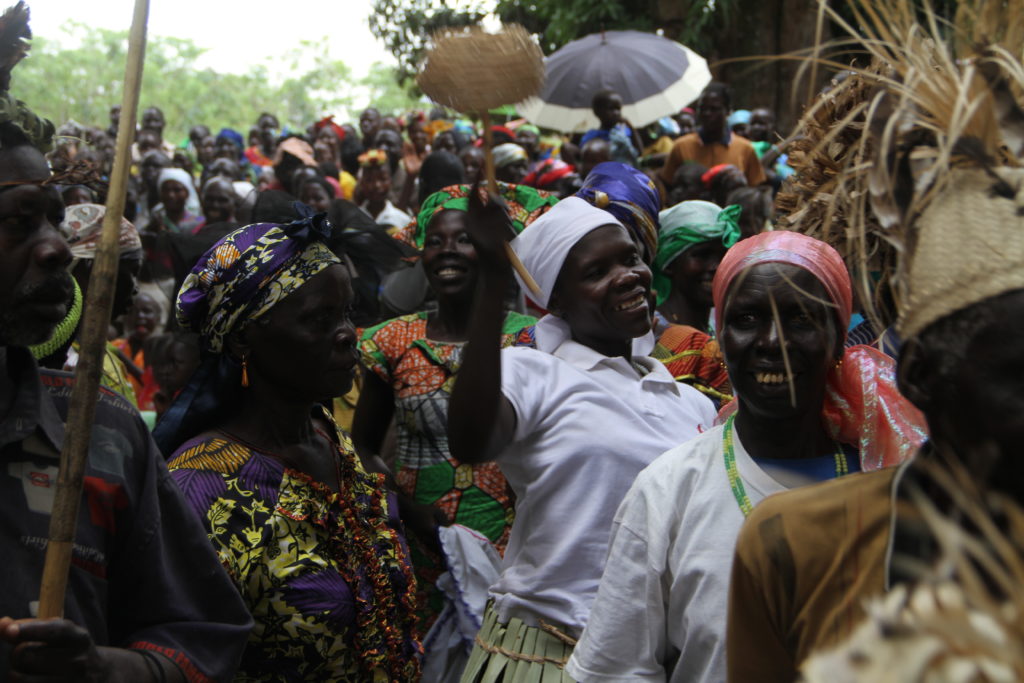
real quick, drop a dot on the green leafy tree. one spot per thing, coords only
(557, 23)
(387, 91)
(405, 27)
(82, 83)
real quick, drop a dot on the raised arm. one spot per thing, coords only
(481, 420)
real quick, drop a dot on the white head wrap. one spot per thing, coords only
(543, 247)
(182, 176)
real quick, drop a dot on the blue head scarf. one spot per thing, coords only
(631, 197)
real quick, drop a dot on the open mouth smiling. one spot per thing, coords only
(635, 302)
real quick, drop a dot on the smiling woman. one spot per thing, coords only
(571, 423)
(413, 361)
(805, 411)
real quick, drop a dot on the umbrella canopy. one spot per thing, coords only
(654, 76)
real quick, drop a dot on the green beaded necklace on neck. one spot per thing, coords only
(62, 335)
(736, 483)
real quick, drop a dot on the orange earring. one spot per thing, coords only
(245, 372)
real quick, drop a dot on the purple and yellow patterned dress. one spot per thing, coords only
(326, 575)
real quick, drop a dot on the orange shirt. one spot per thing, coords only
(147, 386)
(739, 152)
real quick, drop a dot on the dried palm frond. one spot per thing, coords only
(825, 198)
(882, 144)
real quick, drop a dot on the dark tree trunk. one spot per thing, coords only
(759, 28)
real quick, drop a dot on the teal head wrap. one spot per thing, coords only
(687, 224)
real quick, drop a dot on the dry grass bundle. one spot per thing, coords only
(880, 145)
(471, 70)
(825, 199)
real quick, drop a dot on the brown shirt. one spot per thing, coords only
(739, 152)
(805, 560)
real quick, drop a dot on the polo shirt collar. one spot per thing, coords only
(551, 332)
(588, 360)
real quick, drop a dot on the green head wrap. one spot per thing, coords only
(687, 224)
(525, 204)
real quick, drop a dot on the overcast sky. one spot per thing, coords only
(258, 29)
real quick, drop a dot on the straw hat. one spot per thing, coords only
(969, 247)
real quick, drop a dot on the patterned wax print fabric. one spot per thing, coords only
(325, 575)
(83, 225)
(525, 205)
(693, 357)
(421, 373)
(247, 272)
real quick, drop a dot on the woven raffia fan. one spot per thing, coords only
(474, 71)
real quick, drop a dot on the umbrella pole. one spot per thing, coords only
(492, 183)
(82, 408)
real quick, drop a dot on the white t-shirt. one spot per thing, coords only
(586, 424)
(390, 215)
(660, 612)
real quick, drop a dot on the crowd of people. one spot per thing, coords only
(340, 438)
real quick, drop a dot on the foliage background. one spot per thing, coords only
(83, 81)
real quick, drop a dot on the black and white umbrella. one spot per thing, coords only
(654, 76)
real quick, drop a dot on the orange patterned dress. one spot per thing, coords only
(421, 373)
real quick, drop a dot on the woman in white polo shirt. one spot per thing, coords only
(571, 423)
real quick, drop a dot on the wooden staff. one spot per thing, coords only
(492, 184)
(93, 339)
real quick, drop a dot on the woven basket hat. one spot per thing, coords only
(970, 247)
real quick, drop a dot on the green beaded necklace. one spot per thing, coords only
(64, 330)
(736, 484)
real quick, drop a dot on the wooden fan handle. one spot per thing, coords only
(528, 280)
(513, 258)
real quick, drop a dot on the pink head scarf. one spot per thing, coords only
(862, 404)
(792, 248)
